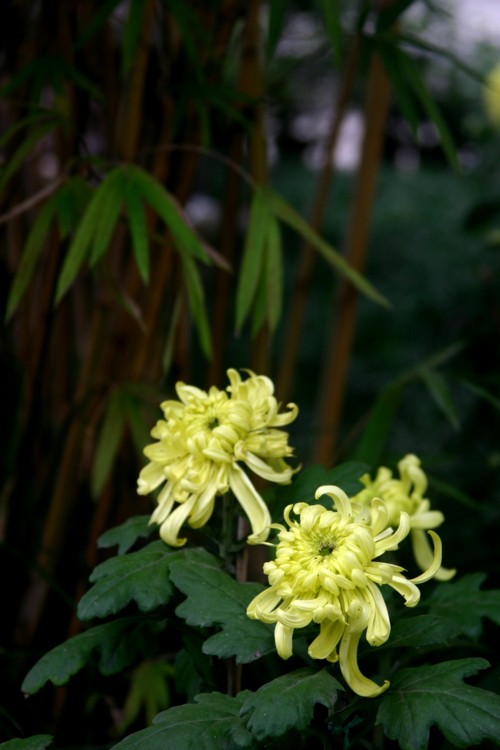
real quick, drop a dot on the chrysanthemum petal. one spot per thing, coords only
(325, 644)
(283, 637)
(424, 555)
(435, 562)
(348, 659)
(169, 530)
(252, 503)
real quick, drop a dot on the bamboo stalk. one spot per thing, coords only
(344, 314)
(295, 316)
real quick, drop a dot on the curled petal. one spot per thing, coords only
(170, 528)
(262, 468)
(324, 646)
(342, 502)
(263, 606)
(424, 555)
(252, 503)
(283, 636)
(436, 560)
(348, 658)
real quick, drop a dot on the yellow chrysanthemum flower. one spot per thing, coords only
(199, 445)
(325, 571)
(407, 494)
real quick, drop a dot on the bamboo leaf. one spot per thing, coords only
(34, 243)
(286, 213)
(330, 11)
(138, 230)
(97, 20)
(441, 394)
(276, 10)
(274, 274)
(391, 57)
(371, 446)
(167, 208)
(131, 33)
(253, 257)
(110, 197)
(19, 156)
(482, 393)
(431, 108)
(108, 442)
(389, 14)
(197, 301)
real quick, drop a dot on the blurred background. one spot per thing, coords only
(378, 124)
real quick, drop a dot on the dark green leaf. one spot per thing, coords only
(131, 33)
(37, 742)
(167, 208)
(137, 423)
(275, 21)
(19, 156)
(142, 577)
(197, 301)
(421, 697)
(330, 12)
(441, 394)
(214, 598)
(450, 490)
(117, 644)
(287, 214)
(482, 393)
(31, 251)
(212, 723)
(127, 533)
(138, 230)
(464, 603)
(274, 274)
(391, 57)
(110, 197)
(253, 257)
(108, 442)
(288, 702)
(389, 14)
(97, 20)
(422, 630)
(433, 112)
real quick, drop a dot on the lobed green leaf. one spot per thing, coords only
(37, 742)
(422, 631)
(422, 697)
(213, 722)
(126, 534)
(464, 603)
(141, 577)
(214, 598)
(117, 644)
(288, 702)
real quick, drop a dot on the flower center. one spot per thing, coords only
(326, 549)
(213, 423)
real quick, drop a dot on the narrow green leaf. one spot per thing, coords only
(167, 208)
(126, 534)
(214, 598)
(38, 117)
(274, 274)
(449, 490)
(97, 20)
(197, 301)
(131, 33)
(34, 244)
(421, 697)
(117, 644)
(464, 603)
(287, 214)
(373, 440)
(72, 200)
(138, 230)
(253, 257)
(108, 442)
(80, 246)
(213, 722)
(276, 14)
(288, 702)
(110, 198)
(19, 156)
(459, 62)
(441, 394)
(391, 58)
(389, 14)
(139, 429)
(482, 393)
(431, 108)
(37, 742)
(330, 12)
(141, 577)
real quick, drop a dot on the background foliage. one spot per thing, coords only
(170, 206)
